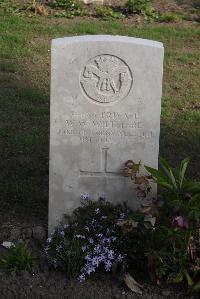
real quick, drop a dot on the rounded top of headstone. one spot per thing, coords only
(107, 38)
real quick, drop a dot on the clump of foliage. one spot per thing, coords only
(171, 17)
(108, 12)
(17, 258)
(11, 7)
(142, 7)
(30, 8)
(70, 8)
(174, 244)
(96, 237)
(162, 239)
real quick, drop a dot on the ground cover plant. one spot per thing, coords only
(143, 7)
(148, 10)
(174, 248)
(17, 258)
(163, 239)
(24, 122)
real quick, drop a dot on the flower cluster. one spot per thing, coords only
(92, 232)
(100, 252)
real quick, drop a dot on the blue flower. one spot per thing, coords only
(62, 233)
(97, 211)
(95, 261)
(108, 265)
(84, 248)
(85, 196)
(111, 255)
(91, 240)
(120, 258)
(81, 278)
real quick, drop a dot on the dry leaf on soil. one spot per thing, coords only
(132, 284)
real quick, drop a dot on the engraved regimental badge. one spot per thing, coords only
(106, 79)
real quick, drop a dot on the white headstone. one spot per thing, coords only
(105, 110)
(93, 1)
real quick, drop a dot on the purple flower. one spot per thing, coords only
(108, 265)
(87, 258)
(99, 235)
(49, 240)
(46, 249)
(84, 248)
(111, 254)
(85, 196)
(95, 261)
(103, 217)
(97, 211)
(62, 233)
(102, 258)
(120, 258)
(180, 221)
(90, 269)
(81, 278)
(91, 240)
(97, 249)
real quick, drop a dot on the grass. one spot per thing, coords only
(24, 100)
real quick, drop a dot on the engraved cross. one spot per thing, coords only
(103, 171)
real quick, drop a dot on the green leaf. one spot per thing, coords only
(159, 178)
(193, 187)
(156, 174)
(173, 180)
(182, 171)
(168, 170)
(189, 279)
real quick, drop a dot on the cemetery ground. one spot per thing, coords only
(24, 135)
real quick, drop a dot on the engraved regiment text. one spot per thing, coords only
(105, 127)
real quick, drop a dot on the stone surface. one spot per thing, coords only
(93, 1)
(39, 233)
(15, 234)
(105, 110)
(26, 233)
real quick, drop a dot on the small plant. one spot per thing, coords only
(97, 237)
(11, 7)
(108, 12)
(69, 8)
(142, 7)
(179, 221)
(174, 242)
(17, 258)
(170, 17)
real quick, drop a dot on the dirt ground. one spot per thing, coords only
(47, 285)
